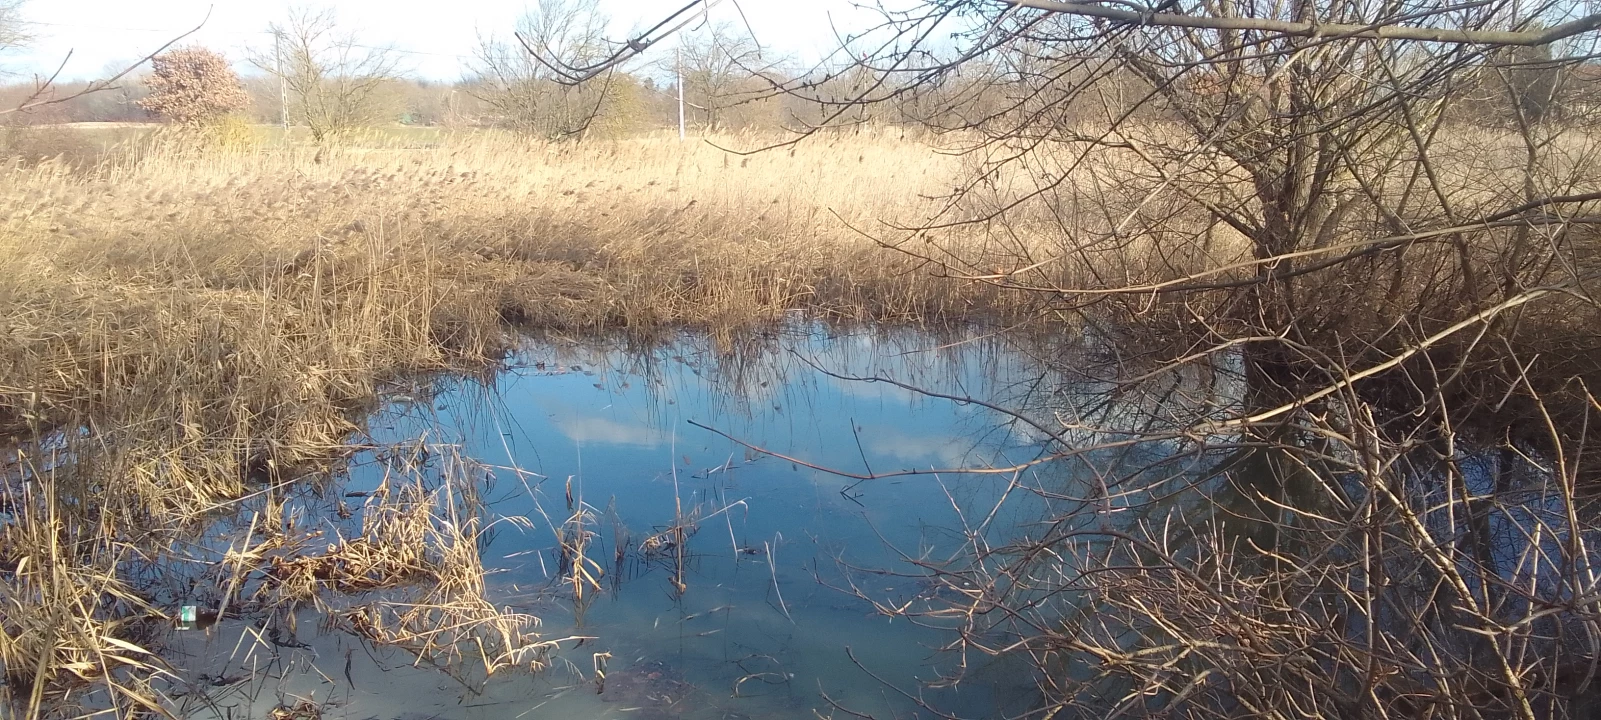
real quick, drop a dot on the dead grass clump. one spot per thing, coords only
(206, 327)
(349, 567)
(412, 578)
(52, 145)
(67, 619)
(212, 325)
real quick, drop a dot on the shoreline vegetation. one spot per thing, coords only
(193, 332)
(388, 260)
(1330, 268)
(185, 329)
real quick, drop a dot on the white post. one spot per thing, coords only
(678, 70)
(283, 83)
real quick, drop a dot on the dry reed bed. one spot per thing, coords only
(193, 328)
(255, 275)
(208, 323)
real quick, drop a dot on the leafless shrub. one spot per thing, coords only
(524, 95)
(334, 80)
(1390, 496)
(724, 77)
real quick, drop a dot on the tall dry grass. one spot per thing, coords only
(180, 329)
(259, 295)
(183, 330)
(399, 257)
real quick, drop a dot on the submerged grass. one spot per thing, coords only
(189, 335)
(185, 336)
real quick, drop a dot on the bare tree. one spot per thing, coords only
(14, 32)
(45, 90)
(721, 69)
(1286, 200)
(334, 80)
(525, 95)
(1340, 468)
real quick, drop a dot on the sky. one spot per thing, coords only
(436, 39)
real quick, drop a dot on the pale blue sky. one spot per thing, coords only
(436, 35)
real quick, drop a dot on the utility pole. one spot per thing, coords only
(678, 69)
(283, 82)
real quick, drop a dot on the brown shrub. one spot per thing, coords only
(192, 86)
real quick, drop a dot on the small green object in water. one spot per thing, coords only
(186, 617)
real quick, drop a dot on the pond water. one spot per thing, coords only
(770, 619)
(780, 599)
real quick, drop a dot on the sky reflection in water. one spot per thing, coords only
(617, 423)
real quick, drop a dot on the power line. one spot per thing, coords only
(86, 26)
(414, 52)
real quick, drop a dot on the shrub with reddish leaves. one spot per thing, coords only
(193, 86)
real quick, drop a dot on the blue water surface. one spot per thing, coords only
(774, 618)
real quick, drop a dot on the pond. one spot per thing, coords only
(767, 608)
(824, 523)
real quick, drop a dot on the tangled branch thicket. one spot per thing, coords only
(1343, 466)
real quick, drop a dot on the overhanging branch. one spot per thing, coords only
(1330, 30)
(38, 99)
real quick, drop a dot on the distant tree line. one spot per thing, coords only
(320, 75)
